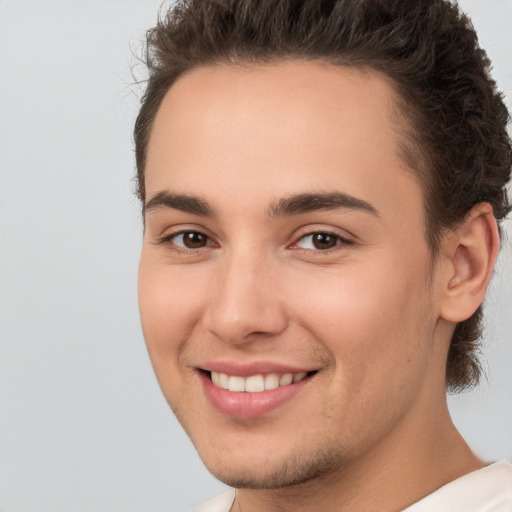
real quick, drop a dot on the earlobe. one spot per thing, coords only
(470, 253)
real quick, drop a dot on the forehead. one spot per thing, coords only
(279, 129)
(283, 103)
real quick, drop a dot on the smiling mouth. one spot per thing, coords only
(256, 383)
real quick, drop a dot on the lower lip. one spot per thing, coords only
(250, 405)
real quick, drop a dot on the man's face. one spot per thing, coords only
(285, 241)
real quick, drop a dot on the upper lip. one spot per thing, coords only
(252, 368)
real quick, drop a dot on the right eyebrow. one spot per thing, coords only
(182, 202)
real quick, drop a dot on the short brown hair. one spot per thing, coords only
(456, 121)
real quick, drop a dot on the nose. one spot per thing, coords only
(245, 302)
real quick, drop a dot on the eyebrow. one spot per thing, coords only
(182, 202)
(304, 203)
(288, 206)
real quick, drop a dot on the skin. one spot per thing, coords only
(373, 314)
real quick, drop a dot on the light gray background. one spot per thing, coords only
(83, 425)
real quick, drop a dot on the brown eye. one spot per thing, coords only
(324, 241)
(187, 240)
(321, 241)
(192, 240)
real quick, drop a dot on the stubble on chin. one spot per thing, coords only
(296, 469)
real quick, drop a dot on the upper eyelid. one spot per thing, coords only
(342, 234)
(170, 231)
(324, 232)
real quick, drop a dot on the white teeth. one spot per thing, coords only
(271, 381)
(223, 380)
(298, 377)
(236, 383)
(286, 379)
(255, 383)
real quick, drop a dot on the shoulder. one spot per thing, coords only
(486, 490)
(221, 503)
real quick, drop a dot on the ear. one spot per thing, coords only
(470, 253)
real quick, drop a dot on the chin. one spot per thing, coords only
(295, 469)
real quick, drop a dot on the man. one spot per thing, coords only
(322, 183)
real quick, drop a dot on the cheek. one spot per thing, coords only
(169, 304)
(368, 316)
(376, 328)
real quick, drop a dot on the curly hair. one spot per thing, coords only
(454, 118)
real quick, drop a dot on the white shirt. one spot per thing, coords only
(221, 503)
(487, 490)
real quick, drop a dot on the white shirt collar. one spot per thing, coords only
(487, 490)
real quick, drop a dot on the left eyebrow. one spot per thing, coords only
(305, 203)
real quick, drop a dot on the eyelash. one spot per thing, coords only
(168, 239)
(339, 241)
